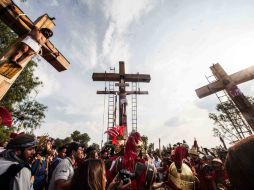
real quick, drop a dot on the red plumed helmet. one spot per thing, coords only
(130, 154)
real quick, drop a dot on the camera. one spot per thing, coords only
(125, 175)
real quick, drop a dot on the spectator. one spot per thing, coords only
(64, 170)
(15, 162)
(61, 155)
(91, 176)
(91, 153)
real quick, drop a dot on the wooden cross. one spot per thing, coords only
(15, 18)
(229, 83)
(122, 77)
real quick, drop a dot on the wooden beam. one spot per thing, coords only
(8, 14)
(106, 77)
(136, 92)
(137, 78)
(107, 92)
(238, 78)
(117, 92)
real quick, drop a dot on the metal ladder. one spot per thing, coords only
(235, 117)
(134, 87)
(111, 102)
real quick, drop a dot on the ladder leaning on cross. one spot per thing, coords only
(229, 84)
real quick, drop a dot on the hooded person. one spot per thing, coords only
(15, 171)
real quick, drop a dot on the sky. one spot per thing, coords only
(175, 41)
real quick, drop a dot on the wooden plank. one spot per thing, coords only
(117, 92)
(136, 92)
(107, 92)
(60, 63)
(137, 78)
(210, 89)
(8, 14)
(237, 78)
(105, 77)
(243, 75)
(219, 72)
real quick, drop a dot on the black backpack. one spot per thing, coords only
(7, 178)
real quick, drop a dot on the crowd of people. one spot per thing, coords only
(27, 162)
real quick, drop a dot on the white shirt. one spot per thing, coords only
(157, 163)
(64, 170)
(22, 180)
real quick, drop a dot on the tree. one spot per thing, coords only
(81, 138)
(230, 125)
(27, 112)
(151, 147)
(4, 135)
(59, 142)
(96, 146)
(67, 140)
(75, 135)
(145, 142)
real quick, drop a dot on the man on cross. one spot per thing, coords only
(32, 44)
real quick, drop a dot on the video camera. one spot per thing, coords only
(125, 175)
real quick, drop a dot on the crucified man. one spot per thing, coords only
(32, 44)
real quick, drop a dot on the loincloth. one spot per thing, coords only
(35, 46)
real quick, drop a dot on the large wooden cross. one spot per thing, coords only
(229, 83)
(15, 18)
(122, 77)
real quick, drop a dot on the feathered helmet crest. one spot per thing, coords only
(116, 134)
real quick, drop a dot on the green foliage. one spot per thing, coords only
(27, 112)
(229, 122)
(7, 37)
(59, 142)
(81, 138)
(76, 136)
(4, 134)
(22, 87)
(151, 147)
(96, 146)
(145, 142)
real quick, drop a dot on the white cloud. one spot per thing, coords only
(50, 84)
(121, 14)
(174, 41)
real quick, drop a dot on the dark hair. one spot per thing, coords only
(89, 176)
(74, 146)
(61, 148)
(46, 32)
(90, 149)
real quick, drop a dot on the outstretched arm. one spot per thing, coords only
(52, 48)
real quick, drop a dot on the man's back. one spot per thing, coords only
(63, 171)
